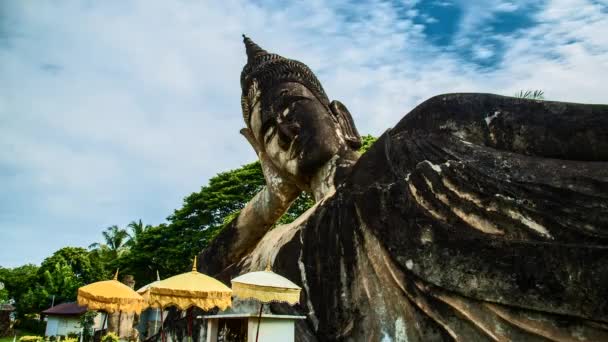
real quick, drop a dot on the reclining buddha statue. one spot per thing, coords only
(477, 217)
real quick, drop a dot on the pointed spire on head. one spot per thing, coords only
(116, 274)
(157, 276)
(194, 265)
(253, 50)
(269, 69)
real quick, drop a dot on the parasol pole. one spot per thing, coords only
(105, 318)
(155, 321)
(257, 333)
(119, 316)
(162, 326)
(189, 310)
(190, 323)
(156, 311)
(119, 321)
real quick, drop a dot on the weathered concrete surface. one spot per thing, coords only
(477, 217)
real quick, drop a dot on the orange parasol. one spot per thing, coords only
(110, 296)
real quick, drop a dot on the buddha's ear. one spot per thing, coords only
(347, 125)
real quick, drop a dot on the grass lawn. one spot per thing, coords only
(8, 339)
(19, 334)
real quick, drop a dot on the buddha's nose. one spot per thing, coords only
(287, 132)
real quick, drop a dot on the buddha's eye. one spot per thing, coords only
(287, 103)
(267, 125)
(268, 134)
(281, 103)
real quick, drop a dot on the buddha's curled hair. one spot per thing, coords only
(269, 69)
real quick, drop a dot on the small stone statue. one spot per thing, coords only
(476, 218)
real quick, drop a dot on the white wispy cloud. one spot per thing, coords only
(113, 111)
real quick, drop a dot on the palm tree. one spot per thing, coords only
(137, 229)
(115, 237)
(115, 241)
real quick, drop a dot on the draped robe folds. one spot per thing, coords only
(477, 217)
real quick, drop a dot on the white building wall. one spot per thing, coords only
(51, 326)
(62, 325)
(271, 330)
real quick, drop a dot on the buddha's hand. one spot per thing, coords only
(278, 183)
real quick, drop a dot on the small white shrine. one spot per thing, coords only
(243, 327)
(241, 323)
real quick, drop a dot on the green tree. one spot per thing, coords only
(87, 321)
(59, 276)
(159, 248)
(137, 229)
(85, 269)
(113, 247)
(18, 278)
(4, 295)
(33, 300)
(58, 283)
(116, 238)
(17, 281)
(169, 248)
(226, 193)
(367, 142)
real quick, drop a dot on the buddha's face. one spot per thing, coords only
(298, 132)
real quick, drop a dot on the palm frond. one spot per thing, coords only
(531, 94)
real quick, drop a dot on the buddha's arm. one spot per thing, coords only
(530, 127)
(242, 234)
(259, 215)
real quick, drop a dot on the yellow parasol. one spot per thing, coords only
(187, 290)
(265, 286)
(110, 296)
(143, 291)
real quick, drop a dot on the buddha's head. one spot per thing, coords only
(290, 116)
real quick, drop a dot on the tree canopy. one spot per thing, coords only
(17, 281)
(78, 260)
(59, 276)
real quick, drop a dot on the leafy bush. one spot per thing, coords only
(366, 142)
(31, 325)
(30, 339)
(73, 335)
(70, 339)
(110, 337)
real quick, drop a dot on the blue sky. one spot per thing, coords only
(112, 111)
